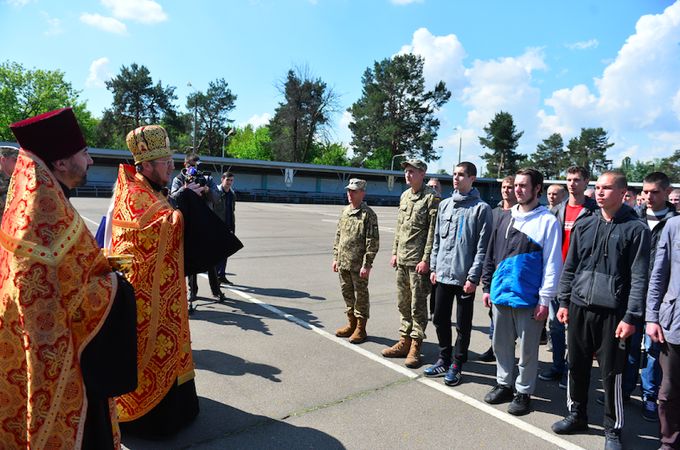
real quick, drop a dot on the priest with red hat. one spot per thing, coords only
(67, 321)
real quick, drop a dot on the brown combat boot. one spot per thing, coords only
(359, 334)
(413, 360)
(398, 350)
(348, 329)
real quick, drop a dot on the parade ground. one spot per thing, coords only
(270, 372)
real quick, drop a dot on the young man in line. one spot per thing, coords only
(520, 277)
(556, 194)
(602, 293)
(356, 243)
(411, 250)
(663, 327)
(577, 207)
(461, 236)
(436, 186)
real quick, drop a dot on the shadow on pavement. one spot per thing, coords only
(245, 322)
(278, 292)
(220, 426)
(225, 364)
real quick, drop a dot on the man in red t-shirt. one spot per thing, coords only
(577, 206)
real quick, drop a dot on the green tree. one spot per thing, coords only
(550, 158)
(395, 113)
(136, 102)
(636, 171)
(302, 117)
(249, 143)
(212, 108)
(331, 154)
(502, 139)
(590, 150)
(25, 93)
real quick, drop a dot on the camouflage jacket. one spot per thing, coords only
(357, 239)
(4, 186)
(416, 219)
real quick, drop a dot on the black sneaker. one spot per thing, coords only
(650, 411)
(550, 375)
(612, 440)
(487, 356)
(499, 394)
(570, 424)
(220, 296)
(225, 280)
(520, 405)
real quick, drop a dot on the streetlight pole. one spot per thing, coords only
(460, 143)
(396, 156)
(193, 140)
(224, 138)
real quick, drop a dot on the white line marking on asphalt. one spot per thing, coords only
(505, 417)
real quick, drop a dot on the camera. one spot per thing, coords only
(196, 176)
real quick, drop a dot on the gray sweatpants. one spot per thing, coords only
(510, 324)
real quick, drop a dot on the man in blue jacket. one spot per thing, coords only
(520, 277)
(602, 293)
(461, 236)
(663, 327)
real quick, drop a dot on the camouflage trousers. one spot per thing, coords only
(412, 292)
(355, 292)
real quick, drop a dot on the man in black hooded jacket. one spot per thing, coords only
(602, 296)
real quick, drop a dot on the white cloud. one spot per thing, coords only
(639, 91)
(503, 84)
(443, 58)
(258, 120)
(108, 24)
(143, 11)
(18, 3)
(53, 25)
(99, 73)
(583, 45)
(405, 2)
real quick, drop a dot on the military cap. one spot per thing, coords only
(8, 151)
(356, 184)
(417, 163)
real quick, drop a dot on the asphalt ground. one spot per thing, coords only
(271, 374)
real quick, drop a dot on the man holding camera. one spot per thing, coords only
(203, 184)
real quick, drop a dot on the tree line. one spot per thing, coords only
(393, 119)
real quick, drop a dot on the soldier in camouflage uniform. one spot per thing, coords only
(413, 240)
(8, 159)
(356, 244)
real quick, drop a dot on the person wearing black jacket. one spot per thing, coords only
(602, 296)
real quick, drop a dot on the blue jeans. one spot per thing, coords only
(557, 337)
(650, 375)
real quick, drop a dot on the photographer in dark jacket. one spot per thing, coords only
(192, 178)
(602, 296)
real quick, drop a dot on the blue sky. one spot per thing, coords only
(556, 66)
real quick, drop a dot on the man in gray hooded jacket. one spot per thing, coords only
(462, 233)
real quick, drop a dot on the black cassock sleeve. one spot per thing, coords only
(109, 366)
(207, 239)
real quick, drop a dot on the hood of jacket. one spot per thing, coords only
(463, 200)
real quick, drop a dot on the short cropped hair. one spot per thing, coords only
(509, 179)
(469, 168)
(620, 180)
(658, 178)
(227, 175)
(585, 173)
(191, 158)
(535, 175)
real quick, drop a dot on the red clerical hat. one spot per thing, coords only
(52, 136)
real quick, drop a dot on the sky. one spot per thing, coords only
(556, 66)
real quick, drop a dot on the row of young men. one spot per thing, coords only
(86, 349)
(517, 254)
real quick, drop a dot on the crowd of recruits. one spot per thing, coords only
(585, 261)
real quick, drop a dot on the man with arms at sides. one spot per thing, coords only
(602, 294)
(461, 236)
(67, 328)
(225, 208)
(146, 225)
(630, 198)
(577, 207)
(663, 327)
(520, 277)
(556, 194)
(411, 250)
(357, 241)
(508, 200)
(674, 198)
(436, 186)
